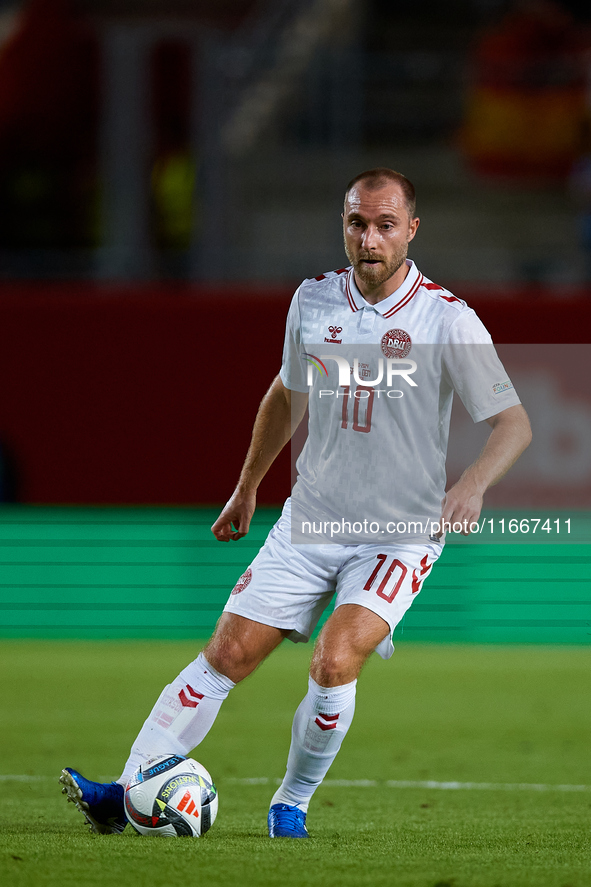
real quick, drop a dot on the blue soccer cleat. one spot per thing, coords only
(100, 802)
(287, 822)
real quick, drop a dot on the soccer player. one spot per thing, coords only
(368, 513)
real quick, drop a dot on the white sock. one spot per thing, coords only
(319, 727)
(182, 716)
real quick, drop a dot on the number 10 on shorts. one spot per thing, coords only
(392, 579)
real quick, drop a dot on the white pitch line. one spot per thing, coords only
(489, 786)
(445, 786)
(12, 777)
(372, 783)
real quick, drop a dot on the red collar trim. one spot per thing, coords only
(405, 299)
(348, 291)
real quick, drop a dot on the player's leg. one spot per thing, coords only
(326, 712)
(374, 591)
(182, 716)
(187, 708)
(282, 593)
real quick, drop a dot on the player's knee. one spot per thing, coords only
(231, 655)
(228, 656)
(331, 668)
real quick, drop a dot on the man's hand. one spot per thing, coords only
(234, 521)
(280, 413)
(462, 504)
(510, 435)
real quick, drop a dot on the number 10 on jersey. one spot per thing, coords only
(362, 396)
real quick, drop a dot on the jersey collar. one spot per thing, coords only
(397, 300)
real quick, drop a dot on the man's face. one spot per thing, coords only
(377, 230)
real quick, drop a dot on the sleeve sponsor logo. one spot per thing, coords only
(499, 387)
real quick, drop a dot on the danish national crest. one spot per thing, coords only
(396, 343)
(242, 582)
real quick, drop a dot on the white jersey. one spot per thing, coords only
(381, 380)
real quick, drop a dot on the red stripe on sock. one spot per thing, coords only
(325, 726)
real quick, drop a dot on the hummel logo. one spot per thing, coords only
(334, 331)
(190, 703)
(326, 722)
(417, 581)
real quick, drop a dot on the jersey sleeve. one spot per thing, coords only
(474, 370)
(293, 372)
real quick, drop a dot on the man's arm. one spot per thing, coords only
(510, 435)
(280, 413)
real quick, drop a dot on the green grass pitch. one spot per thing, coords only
(512, 716)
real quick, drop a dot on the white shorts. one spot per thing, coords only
(289, 586)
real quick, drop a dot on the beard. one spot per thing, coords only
(375, 275)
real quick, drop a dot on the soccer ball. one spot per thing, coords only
(171, 795)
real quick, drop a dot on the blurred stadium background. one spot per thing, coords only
(169, 172)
